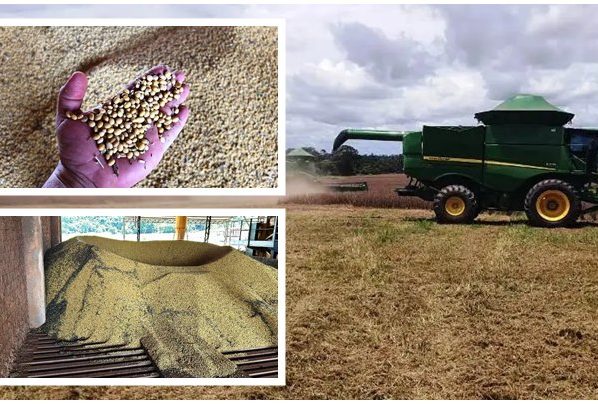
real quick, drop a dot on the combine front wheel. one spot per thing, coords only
(455, 204)
(552, 203)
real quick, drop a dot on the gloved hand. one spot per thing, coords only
(82, 165)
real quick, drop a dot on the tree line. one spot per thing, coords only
(347, 161)
(114, 225)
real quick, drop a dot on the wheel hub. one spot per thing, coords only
(553, 205)
(454, 206)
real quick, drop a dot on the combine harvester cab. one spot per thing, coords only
(522, 158)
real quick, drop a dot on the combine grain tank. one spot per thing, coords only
(521, 158)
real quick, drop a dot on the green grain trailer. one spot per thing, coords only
(521, 158)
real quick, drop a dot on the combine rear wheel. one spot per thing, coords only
(552, 203)
(455, 204)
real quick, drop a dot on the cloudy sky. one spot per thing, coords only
(398, 67)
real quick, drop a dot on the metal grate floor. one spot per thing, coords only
(44, 356)
(258, 362)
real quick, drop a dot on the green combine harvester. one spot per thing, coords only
(521, 158)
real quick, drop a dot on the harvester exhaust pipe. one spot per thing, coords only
(364, 134)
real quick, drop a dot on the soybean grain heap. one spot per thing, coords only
(186, 302)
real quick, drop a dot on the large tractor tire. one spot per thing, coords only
(455, 204)
(552, 203)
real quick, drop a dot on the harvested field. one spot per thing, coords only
(387, 304)
(230, 139)
(185, 301)
(380, 193)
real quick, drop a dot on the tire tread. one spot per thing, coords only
(450, 190)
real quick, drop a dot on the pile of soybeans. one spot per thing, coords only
(186, 302)
(119, 126)
(230, 138)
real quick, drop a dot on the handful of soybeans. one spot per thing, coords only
(119, 125)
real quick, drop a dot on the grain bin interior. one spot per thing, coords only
(114, 296)
(230, 139)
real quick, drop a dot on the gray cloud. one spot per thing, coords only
(512, 45)
(392, 61)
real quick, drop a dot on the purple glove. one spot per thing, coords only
(81, 163)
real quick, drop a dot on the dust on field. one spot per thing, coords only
(388, 304)
(380, 193)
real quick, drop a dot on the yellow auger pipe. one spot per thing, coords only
(180, 227)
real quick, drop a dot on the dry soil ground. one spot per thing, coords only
(385, 303)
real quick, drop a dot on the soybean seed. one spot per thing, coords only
(120, 125)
